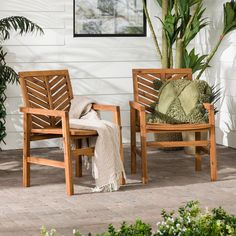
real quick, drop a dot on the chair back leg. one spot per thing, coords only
(198, 157)
(133, 140)
(78, 161)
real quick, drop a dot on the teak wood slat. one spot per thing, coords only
(46, 162)
(144, 94)
(39, 122)
(31, 85)
(178, 144)
(84, 151)
(47, 97)
(62, 91)
(148, 95)
(147, 89)
(177, 127)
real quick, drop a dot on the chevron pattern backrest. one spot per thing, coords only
(143, 87)
(47, 90)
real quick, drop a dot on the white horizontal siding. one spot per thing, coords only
(33, 6)
(99, 67)
(46, 20)
(66, 53)
(51, 37)
(91, 70)
(102, 67)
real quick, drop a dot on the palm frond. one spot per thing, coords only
(216, 96)
(8, 75)
(17, 23)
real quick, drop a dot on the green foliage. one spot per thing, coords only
(44, 232)
(193, 60)
(170, 3)
(138, 229)
(195, 25)
(183, 7)
(170, 25)
(190, 220)
(183, 21)
(215, 97)
(181, 25)
(17, 23)
(7, 74)
(229, 17)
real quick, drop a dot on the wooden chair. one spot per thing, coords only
(47, 97)
(144, 96)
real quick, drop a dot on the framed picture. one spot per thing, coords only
(98, 18)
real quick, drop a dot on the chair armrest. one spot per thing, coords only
(112, 108)
(137, 106)
(45, 112)
(210, 108)
(102, 107)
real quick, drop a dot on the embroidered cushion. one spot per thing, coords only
(181, 101)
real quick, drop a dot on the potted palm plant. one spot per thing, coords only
(7, 74)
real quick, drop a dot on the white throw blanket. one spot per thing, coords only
(107, 166)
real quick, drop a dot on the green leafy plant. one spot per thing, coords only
(190, 220)
(193, 60)
(139, 229)
(7, 75)
(182, 20)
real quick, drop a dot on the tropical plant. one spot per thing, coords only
(181, 21)
(7, 74)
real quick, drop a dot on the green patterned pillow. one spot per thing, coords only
(181, 101)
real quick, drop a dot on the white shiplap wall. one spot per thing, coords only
(101, 67)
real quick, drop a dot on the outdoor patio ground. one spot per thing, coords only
(173, 182)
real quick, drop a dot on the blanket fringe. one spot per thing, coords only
(112, 186)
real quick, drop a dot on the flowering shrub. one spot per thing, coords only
(189, 221)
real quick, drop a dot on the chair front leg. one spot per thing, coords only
(67, 155)
(26, 150)
(144, 158)
(133, 140)
(143, 136)
(213, 160)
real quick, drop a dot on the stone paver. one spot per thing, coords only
(173, 182)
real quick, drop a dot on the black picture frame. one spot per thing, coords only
(143, 34)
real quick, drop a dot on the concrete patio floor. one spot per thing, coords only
(173, 182)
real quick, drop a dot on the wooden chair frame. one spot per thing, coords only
(37, 114)
(144, 96)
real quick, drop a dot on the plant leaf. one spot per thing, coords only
(17, 23)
